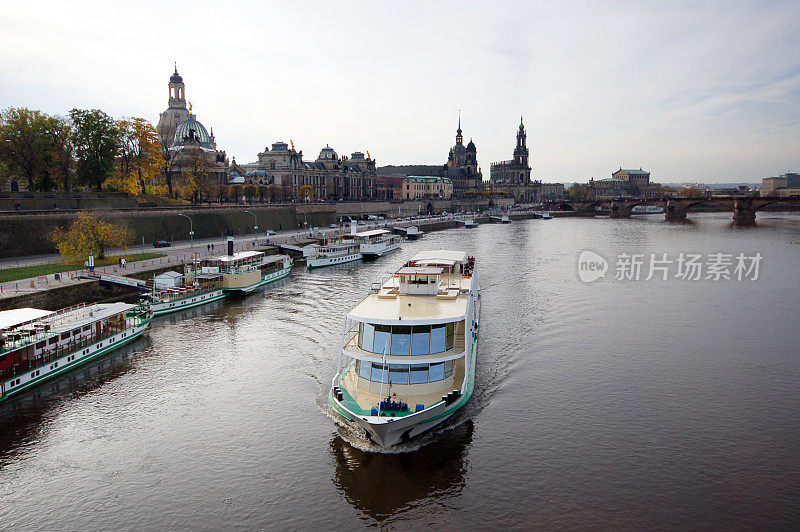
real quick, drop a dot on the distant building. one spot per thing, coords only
(192, 150)
(462, 165)
(787, 184)
(514, 176)
(388, 187)
(625, 183)
(423, 187)
(545, 192)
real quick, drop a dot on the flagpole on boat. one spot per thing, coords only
(386, 369)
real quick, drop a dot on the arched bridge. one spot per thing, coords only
(744, 208)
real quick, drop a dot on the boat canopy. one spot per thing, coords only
(242, 255)
(437, 256)
(374, 232)
(19, 316)
(416, 270)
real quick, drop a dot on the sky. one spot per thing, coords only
(692, 91)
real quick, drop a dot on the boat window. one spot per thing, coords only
(401, 340)
(419, 373)
(65, 335)
(363, 369)
(53, 340)
(438, 334)
(450, 334)
(87, 327)
(421, 340)
(378, 373)
(382, 335)
(437, 372)
(40, 345)
(398, 374)
(448, 368)
(367, 336)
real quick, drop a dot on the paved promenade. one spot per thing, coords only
(177, 254)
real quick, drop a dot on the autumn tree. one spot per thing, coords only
(306, 192)
(250, 191)
(168, 160)
(236, 193)
(90, 235)
(578, 192)
(139, 158)
(692, 192)
(96, 138)
(61, 159)
(196, 184)
(262, 193)
(25, 146)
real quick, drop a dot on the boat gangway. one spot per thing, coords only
(119, 280)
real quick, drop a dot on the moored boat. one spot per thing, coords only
(37, 345)
(377, 242)
(242, 272)
(171, 293)
(413, 232)
(407, 359)
(332, 253)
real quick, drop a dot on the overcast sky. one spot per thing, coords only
(690, 91)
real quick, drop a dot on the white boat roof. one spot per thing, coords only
(409, 310)
(417, 270)
(373, 232)
(88, 314)
(169, 274)
(434, 255)
(12, 318)
(238, 256)
(274, 258)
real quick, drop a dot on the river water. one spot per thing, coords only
(616, 403)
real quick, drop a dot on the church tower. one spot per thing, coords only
(521, 151)
(176, 112)
(177, 90)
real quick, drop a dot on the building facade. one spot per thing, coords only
(513, 176)
(190, 151)
(462, 165)
(424, 187)
(625, 183)
(787, 184)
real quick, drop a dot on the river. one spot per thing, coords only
(615, 403)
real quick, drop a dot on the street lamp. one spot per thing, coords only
(191, 230)
(255, 221)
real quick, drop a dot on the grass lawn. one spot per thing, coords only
(27, 272)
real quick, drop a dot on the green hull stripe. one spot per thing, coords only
(74, 364)
(184, 307)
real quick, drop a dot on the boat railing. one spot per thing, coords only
(62, 350)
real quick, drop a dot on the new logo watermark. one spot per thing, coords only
(664, 266)
(591, 266)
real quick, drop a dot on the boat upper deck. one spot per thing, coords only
(433, 287)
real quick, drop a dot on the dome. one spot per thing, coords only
(327, 154)
(175, 78)
(192, 129)
(471, 146)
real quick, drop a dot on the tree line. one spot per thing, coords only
(84, 149)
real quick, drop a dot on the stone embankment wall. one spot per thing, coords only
(23, 234)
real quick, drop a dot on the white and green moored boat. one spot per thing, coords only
(37, 345)
(407, 359)
(242, 272)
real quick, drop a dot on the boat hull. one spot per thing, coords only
(168, 307)
(267, 279)
(321, 262)
(63, 365)
(372, 252)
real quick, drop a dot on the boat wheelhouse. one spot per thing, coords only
(413, 232)
(187, 290)
(242, 272)
(377, 242)
(407, 359)
(36, 345)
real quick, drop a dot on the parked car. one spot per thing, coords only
(270, 232)
(161, 244)
(333, 226)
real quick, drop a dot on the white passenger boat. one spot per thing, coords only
(505, 219)
(469, 223)
(36, 345)
(407, 359)
(377, 242)
(242, 272)
(332, 253)
(647, 209)
(187, 290)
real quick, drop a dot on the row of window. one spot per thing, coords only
(406, 339)
(64, 336)
(404, 373)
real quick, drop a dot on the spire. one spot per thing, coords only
(176, 67)
(459, 122)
